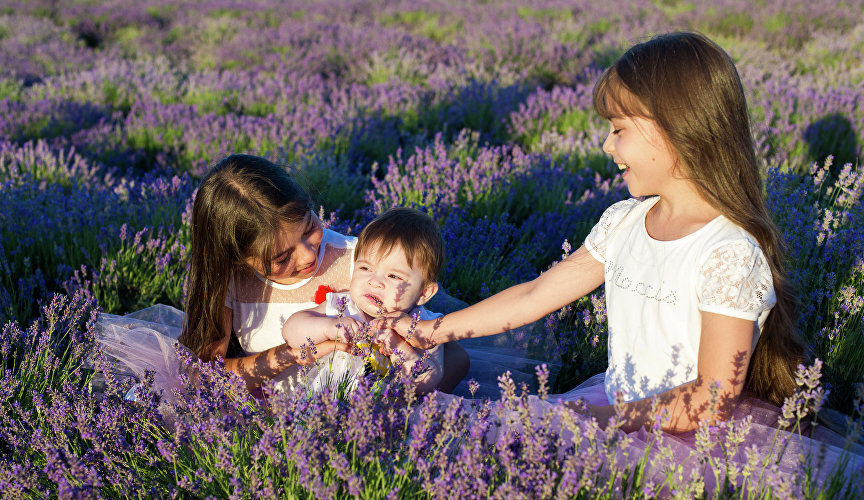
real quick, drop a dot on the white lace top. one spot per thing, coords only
(655, 291)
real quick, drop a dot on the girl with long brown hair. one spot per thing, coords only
(698, 306)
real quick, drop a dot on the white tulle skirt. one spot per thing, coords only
(145, 341)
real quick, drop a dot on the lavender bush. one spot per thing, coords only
(478, 113)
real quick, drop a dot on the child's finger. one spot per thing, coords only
(341, 346)
(397, 321)
(389, 342)
(349, 330)
(379, 337)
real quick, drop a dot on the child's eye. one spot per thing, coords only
(363, 268)
(615, 132)
(395, 277)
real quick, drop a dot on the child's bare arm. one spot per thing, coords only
(577, 275)
(314, 324)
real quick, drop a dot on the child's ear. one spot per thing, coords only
(429, 291)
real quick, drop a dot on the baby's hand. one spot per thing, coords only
(389, 342)
(347, 330)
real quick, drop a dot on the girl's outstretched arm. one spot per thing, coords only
(263, 366)
(724, 353)
(516, 306)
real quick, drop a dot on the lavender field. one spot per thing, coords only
(477, 112)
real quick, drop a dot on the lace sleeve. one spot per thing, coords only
(735, 280)
(595, 242)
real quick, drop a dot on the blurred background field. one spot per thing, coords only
(478, 112)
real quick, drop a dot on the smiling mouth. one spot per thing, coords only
(306, 269)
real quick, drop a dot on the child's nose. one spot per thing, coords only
(376, 282)
(607, 144)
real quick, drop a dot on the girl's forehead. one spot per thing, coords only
(616, 101)
(291, 232)
(287, 229)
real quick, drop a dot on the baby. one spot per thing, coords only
(397, 260)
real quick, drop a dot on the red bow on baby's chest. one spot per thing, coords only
(321, 293)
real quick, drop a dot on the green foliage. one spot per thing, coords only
(544, 14)
(146, 269)
(583, 35)
(394, 64)
(832, 135)
(485, 273)
(116, 97)
(425, 23)
(832, 296)
(568, 123)
(599, 163)
(128, 39)
(727, 23)
(674, 8)
(211, 101)
(49, 354)
(778, 22)
(581, 326)
(332, 182)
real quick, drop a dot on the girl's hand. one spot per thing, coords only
(417, 334)
(305, 355)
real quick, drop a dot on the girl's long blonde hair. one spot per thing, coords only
(689, 86)
(239, 207)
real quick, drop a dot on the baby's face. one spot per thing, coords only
(385, 283)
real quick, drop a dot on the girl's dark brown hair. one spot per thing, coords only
(238, 211)
(690, 88)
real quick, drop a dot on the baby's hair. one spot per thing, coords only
(239, 209)
(690, 88)
(414, 232)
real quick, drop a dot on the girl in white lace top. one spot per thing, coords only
(698, 306)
